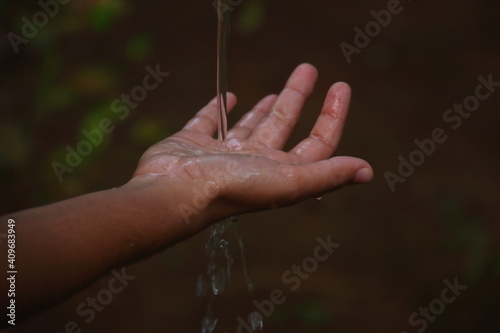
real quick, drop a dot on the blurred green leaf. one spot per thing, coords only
(279, 315)
(104, 13)
(14, 145)
(252, 16)
(450, 207)
(312, 313)
(94, 116)
(477, 254)
(467, 233)
(51, 66)
(139, 46)
(91, 123)
(59, 96)
(93, 79)
(2, 4)
(463, 236)
(147, 131)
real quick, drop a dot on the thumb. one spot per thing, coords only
(318, 178)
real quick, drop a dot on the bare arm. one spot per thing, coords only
(62, 247)
(183, 184)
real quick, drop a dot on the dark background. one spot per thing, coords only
(397, 248)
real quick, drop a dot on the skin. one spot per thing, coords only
(65, 246)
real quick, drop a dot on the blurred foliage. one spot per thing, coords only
(313, 315)
(66, 77)
(92, 79)
(467, 233)
(279, 315)
(251, 16)
(73, 83)
(103, 14)
(139, 46)
(147, 131)
(14, 143)
(309, 313)
(57, 97)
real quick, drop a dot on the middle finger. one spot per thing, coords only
(275, 129)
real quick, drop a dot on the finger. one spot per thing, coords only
(206, 120)
(274, 130)
(315, 179)
(326, 133)
(249, 121)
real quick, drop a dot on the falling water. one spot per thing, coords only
(223, 27)
(219, 249)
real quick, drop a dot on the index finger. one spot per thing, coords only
(206, 120)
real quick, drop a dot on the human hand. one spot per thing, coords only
(181, 185)
(250, 171)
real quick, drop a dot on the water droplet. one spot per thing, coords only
(211, 268)
(256, 321)
(221, 254)
(208, 324)
(201, 286)
(210, 245)
(223, 244)
(248, 276)
(319, 198)
(250, 285)
(219, 281)
(229, 263)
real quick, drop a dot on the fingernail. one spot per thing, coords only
(363, 176)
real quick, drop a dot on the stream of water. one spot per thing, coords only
(219, 249)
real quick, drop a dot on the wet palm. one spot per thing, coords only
(249, 170)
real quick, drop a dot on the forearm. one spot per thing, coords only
(62, 247)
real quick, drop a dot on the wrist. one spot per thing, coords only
(170, 209)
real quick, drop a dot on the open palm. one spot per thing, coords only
(249, 170)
